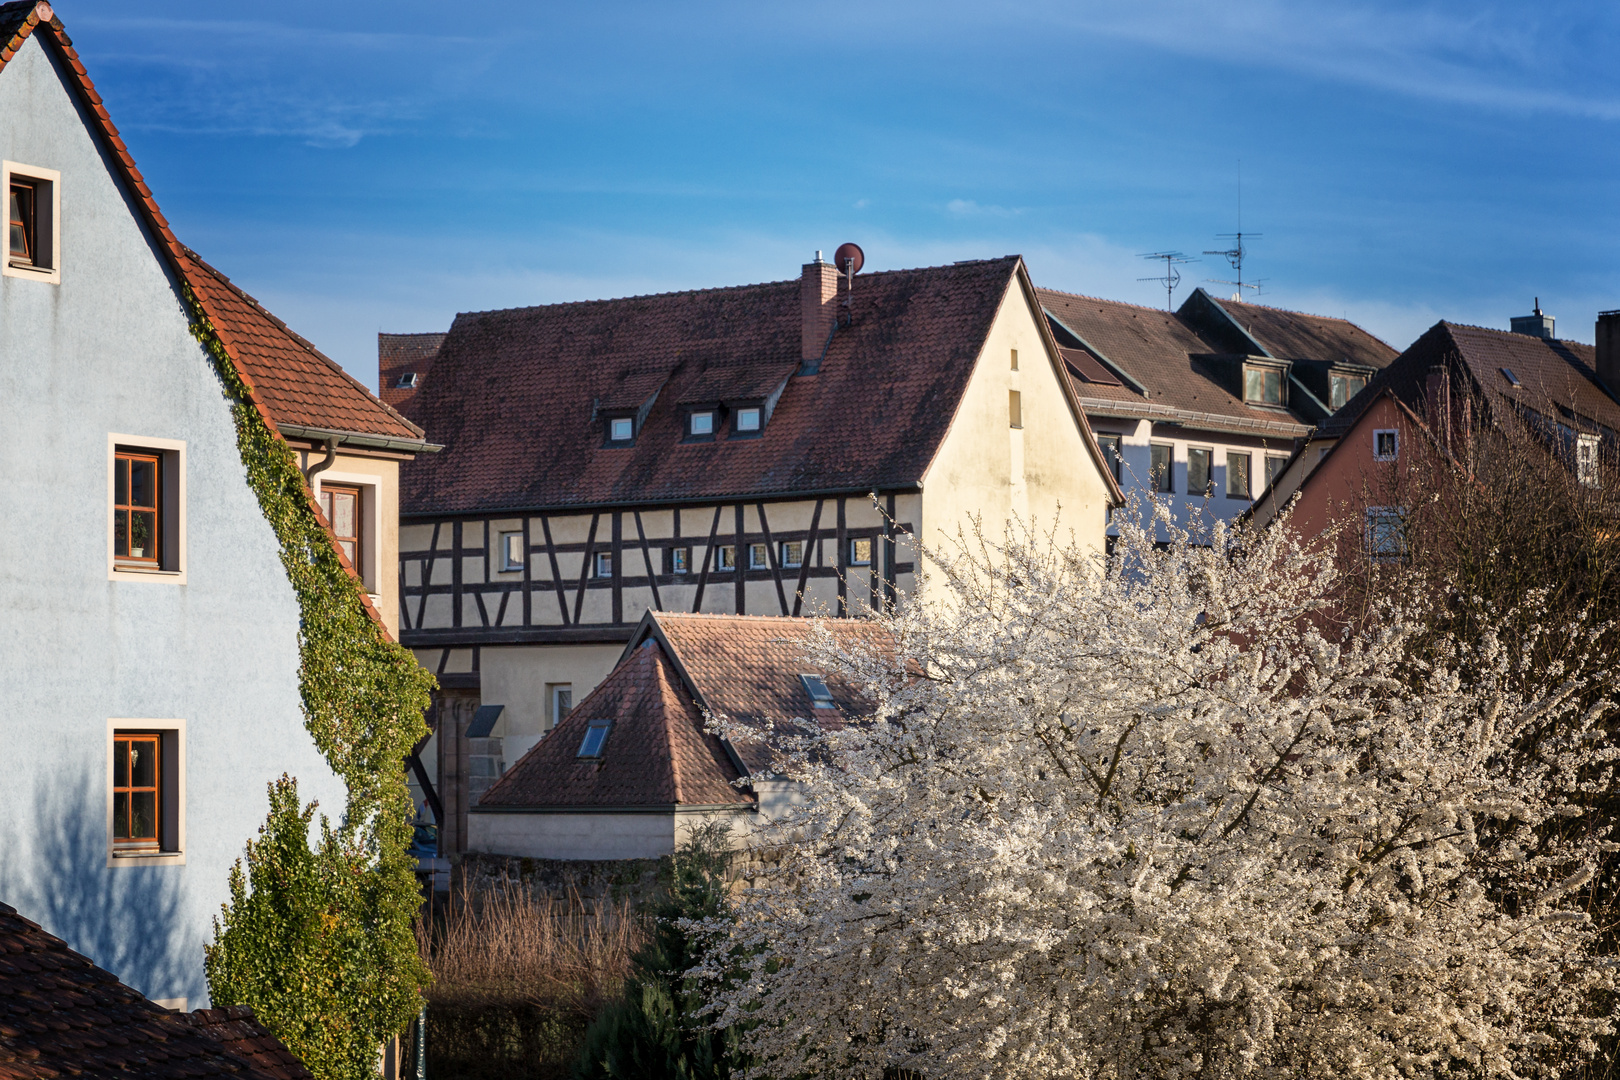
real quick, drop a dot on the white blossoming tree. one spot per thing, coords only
(1169, 818)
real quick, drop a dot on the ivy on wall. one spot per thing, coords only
(319, 941)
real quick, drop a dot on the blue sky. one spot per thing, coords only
(381, 166)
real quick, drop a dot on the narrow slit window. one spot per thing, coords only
(341, 505)
(137, 792)
(137, 479)
(596, 734)
(1015, 359)
(1015, 409)
(816, 687)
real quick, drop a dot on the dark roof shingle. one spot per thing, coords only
(61, 1015)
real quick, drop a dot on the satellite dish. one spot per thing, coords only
(850, 254)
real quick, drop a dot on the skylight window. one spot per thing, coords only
(1513, 380)
(407, 381)
(820, 696)
(746, 421)
(595, 735)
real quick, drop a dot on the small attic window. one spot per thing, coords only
(407, 381)
(820, 696)
(621, 430)
(746, 421)
(595, 736)
(1513, 380)
(700, 424)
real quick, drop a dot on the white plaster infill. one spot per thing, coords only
(174, 730)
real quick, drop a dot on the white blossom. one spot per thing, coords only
(1169, 817)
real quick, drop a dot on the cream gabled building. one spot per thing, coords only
(768, 449)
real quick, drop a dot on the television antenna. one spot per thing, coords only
(1171, 276)
(1235, 250)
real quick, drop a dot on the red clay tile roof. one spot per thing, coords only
(295, 381)
(516, 395)
(401, 354)
(240, 1033)
(61, 1015)
(741, 668)
(1294, 335)
(656, 754)
(24, 18)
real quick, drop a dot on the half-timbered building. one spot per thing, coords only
(770, 449)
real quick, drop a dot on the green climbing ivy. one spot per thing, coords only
(319, 940)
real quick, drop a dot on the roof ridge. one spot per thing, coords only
(668, 695)
(295, 335)
(722, 288)
(1514, 333)
(1104, 300)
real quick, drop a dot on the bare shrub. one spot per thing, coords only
(518, 976)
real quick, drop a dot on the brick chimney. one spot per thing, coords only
(1608, 350)
(818, 307)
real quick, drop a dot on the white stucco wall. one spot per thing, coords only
(105, 351)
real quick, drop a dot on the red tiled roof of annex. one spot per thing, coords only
(516, 396)
(61, 1015)
(741, 668)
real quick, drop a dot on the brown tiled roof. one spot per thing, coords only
(61, 1015)
(295, 381)
(656, 755)
(235, 322)
(399, 354)
(240, 1033)
(1185, 365)
(1557, 379)
(1159, 351)
(1295, 335)
(515, 395)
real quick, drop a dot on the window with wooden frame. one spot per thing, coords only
(792, 553)
(677, 560)
(725, 557)
(1015, 409)
(21, 223)
(137, 791)
(860, 552)
(759, 557)
(1263, 385)
(341, 503)
(31, 216)
(512, 554)
(1386, 444)
(138, 508)
(1344, 387)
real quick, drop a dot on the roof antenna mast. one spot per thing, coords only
(1234, 254)
(1171, 277)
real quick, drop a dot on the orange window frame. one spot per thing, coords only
(21, 223)
(351, 545)
(126, 511)
(127, 794)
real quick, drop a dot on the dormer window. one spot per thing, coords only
(1343, 388)
(1262, 385)
(816, 687)
(700, 424)
(621, 430)
(746, 421)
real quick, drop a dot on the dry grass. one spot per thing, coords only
(518, 977)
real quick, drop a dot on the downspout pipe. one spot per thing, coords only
(320, 467)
